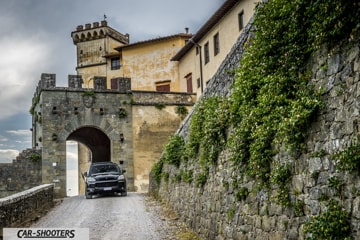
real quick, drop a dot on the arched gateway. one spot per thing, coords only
(114, 125)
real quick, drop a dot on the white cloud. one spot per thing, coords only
(19, 71)
(8, 155)
(3, 139)
(20, 132)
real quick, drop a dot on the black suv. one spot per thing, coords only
(104, 178)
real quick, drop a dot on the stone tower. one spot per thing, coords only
(94, 43)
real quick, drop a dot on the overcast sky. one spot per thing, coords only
(35, 38)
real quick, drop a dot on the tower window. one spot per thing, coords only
(115, 63)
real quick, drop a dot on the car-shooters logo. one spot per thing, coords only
(46, 233)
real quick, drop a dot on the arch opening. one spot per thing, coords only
(93, 145)
(94, 139)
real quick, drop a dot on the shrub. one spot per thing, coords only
(332, 224)
(174, 150)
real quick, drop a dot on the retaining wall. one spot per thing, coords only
(25, 206)
(213, 210)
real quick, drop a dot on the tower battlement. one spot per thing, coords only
(97, 30)
(75, 82)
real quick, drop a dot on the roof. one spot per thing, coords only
(180, 35)
(214, 19)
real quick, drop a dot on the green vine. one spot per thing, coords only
(181, 111)
(281, 176)
(207, 137)
(334, 223)
(122, 113)
(89, 93)
(174, 150)
(349, 158)
(35, 157)
(160, 106)
(242, 194)
(157, 170)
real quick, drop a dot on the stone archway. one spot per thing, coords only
(93, 146)
(95, 140)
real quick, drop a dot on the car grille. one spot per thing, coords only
(106, 184)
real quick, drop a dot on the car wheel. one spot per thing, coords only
(87, 195)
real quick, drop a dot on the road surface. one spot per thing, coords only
(112, 217)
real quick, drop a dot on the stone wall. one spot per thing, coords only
(114, 125)
(25, 206)
(214, 212)
(23, 173)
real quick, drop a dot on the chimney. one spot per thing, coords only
(186, 30)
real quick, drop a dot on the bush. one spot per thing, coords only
(332, 224)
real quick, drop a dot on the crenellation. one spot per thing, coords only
(48, 80)
(100, 83)
(75, 81)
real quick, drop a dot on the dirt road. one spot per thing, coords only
(110, 218)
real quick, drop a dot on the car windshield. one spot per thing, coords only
(103, 169)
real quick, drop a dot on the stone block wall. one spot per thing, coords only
(23, 173)
(214, 212)
(24, 206)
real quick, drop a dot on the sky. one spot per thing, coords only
(35, 38)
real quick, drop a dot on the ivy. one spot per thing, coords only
(35, 157)
(89, 93)
(334, 223)
(349, 158)
(273, 100)
(181, 111)
(156, 170)
(281, 176)
(208, 127)
(174, 150)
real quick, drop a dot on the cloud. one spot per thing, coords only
(8, 155)
(20, 132)
(3, 139)
(19, 65)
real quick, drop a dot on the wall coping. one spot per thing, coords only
(24, 194)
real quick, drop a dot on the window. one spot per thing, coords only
(241, 20)
(114, 83)
(206, 53)
(198, 83)
(163, 86)
(115, 63)
(216, 44)
(197, 50)
(189, 83)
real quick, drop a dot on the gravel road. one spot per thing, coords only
(132, 217)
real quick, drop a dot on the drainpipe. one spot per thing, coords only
(201, 71)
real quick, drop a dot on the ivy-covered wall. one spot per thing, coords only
(276, 155)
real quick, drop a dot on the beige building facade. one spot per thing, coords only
(202, 55)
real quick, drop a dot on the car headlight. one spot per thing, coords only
(90, 180)
(121, 177)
